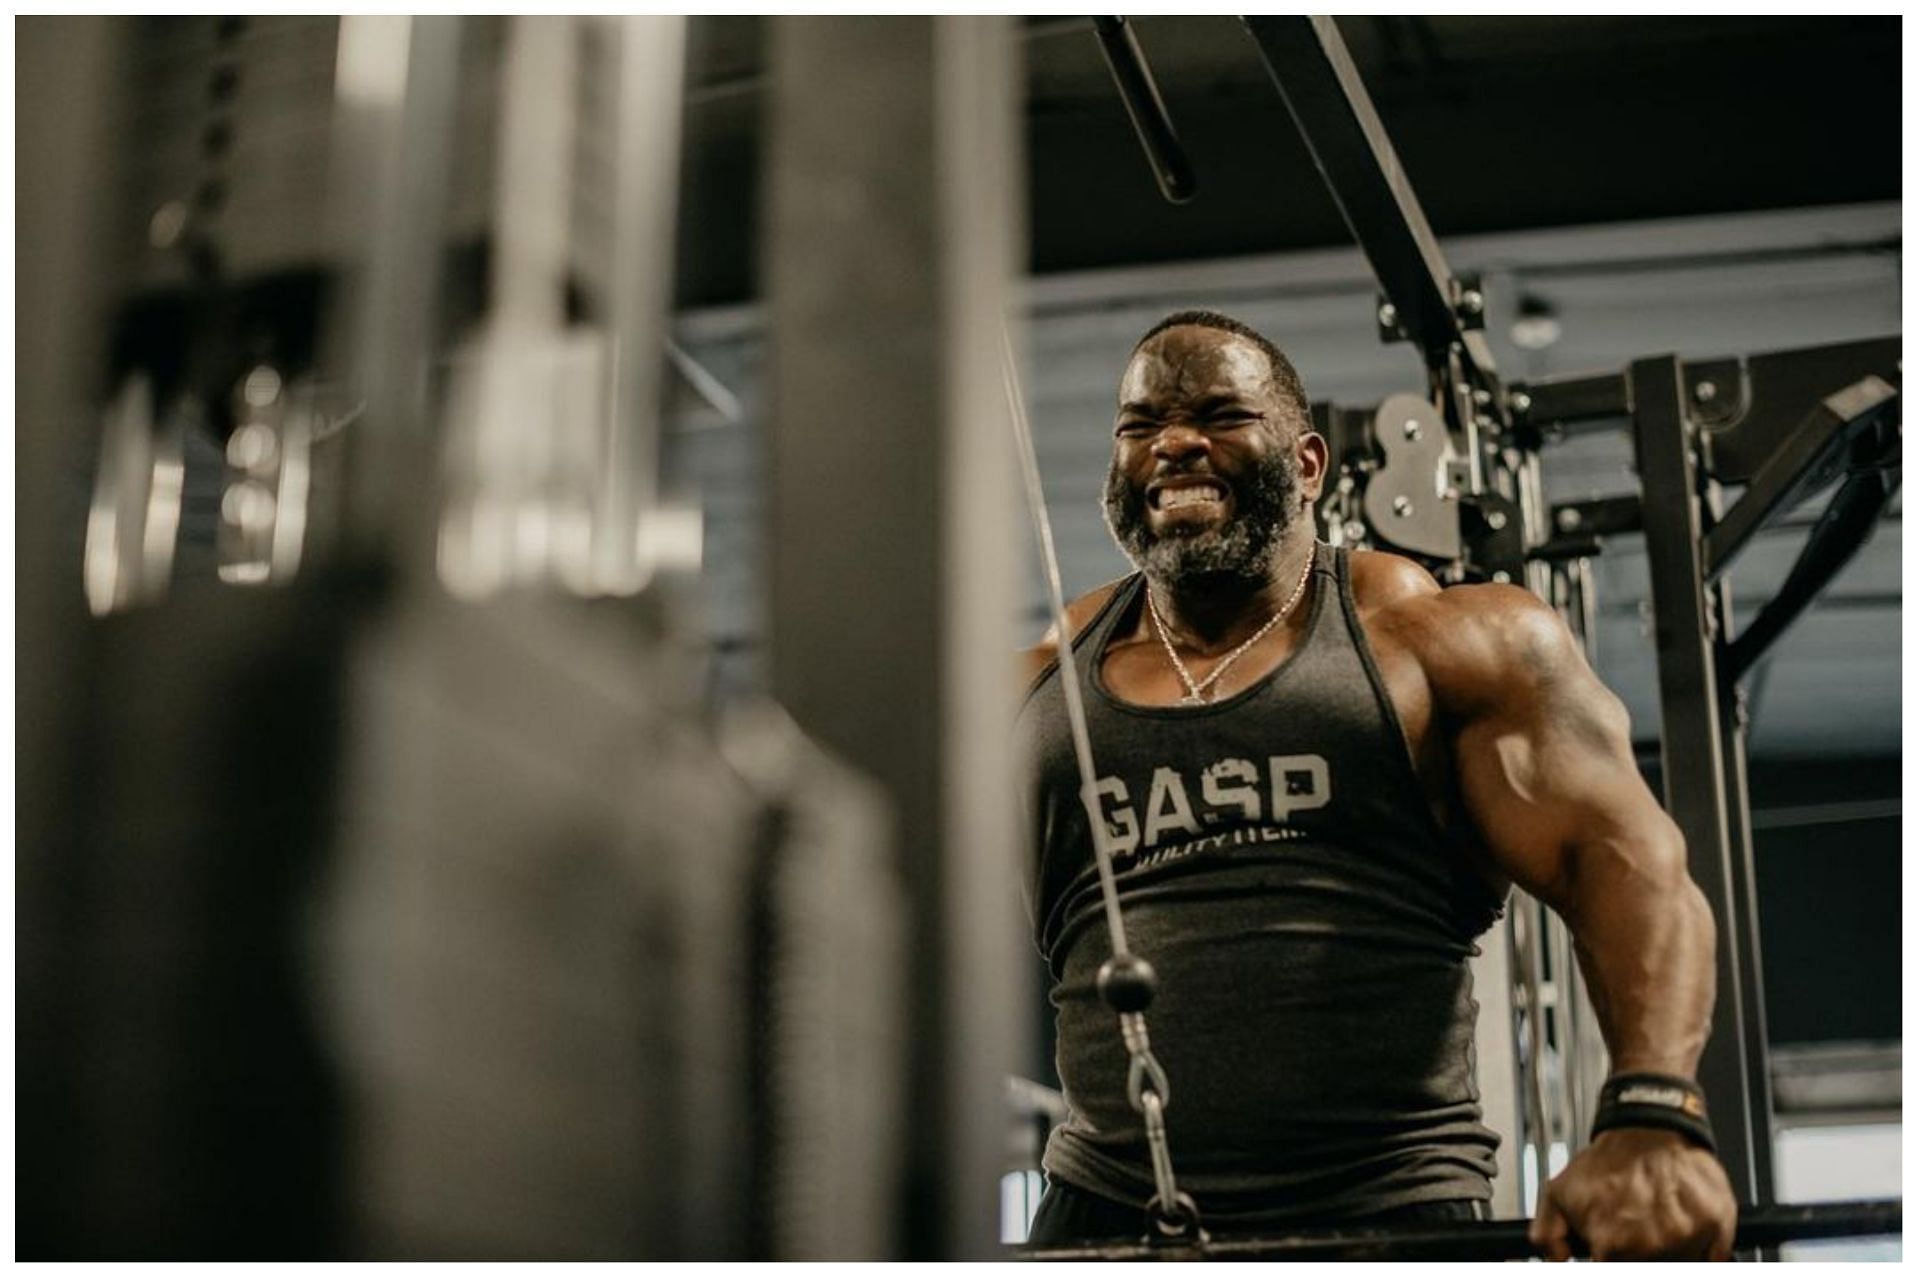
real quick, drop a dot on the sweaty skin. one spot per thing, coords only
(1523, 754)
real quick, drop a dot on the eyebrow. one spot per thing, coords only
(1209, 404)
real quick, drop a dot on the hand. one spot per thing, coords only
(1638, 1194)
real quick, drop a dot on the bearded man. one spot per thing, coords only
(1319, 774)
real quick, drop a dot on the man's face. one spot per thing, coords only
(1206, 468)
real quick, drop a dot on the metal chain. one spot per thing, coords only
(1172, 1213)
(1143, 1069)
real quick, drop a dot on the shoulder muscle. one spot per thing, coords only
(1381, 580)
(1486, 645)
(1081, 611)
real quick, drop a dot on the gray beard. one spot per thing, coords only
(1242, 551)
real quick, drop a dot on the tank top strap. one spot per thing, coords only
(1095, 633)
(1337, 650)
(1099, 633)
(1337, 564)
(1324, 595)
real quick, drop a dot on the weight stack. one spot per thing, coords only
(194, 1110)
(827, 931)
(533, 952)
(448, 932)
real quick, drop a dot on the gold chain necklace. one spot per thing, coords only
(1197, 691)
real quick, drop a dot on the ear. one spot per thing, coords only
(1311, 455)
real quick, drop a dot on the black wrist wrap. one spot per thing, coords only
(1648, 1100)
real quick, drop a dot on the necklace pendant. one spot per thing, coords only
(1193, 700)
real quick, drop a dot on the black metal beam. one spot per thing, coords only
(1316, 76)
(1689, 621)
(1580, 403)
(1747, 405)
(1569, 400)
(1776, 389)
(1803, 463)
(1842, 530)
(1599, 517)
(1744, 916)
(1146, 109)
(1759, 1228)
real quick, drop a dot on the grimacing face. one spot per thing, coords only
(1207, 472)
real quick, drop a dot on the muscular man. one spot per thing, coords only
(1318, 775)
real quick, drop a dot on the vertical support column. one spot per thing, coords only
(1527, 1002)
(1496, 1048)
(891, 243)
(646, 177)
(391, 157)
(1583, 1049)
(71, 80)
(1746, 903)
(1689, 626)
(979, 99)
(533, 196)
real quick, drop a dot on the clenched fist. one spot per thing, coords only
(1638, 1194)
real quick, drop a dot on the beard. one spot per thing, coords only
(1242, 549)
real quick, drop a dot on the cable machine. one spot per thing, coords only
(392, 673)
(1450, 476)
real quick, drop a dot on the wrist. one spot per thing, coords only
(1652, 1100)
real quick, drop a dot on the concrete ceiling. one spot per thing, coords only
(1501, 123)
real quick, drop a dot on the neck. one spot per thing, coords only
(1212, 611)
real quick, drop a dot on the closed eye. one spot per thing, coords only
(1210, 420)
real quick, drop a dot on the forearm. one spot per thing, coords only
(1645, 939)
(1643, 1188)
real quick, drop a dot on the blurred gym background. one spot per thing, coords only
(372, 902)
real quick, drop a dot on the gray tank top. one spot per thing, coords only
(1279, 866)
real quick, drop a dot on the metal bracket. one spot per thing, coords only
(1469, 303)
(1495, 537)
(1469, 307)
(1412, 501)
(1719, 391)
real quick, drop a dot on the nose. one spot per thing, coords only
(1178, 442)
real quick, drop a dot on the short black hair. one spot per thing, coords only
(1286, 379)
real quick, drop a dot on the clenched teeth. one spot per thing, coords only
(1187, 496)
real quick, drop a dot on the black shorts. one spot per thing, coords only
(1068, 1215)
